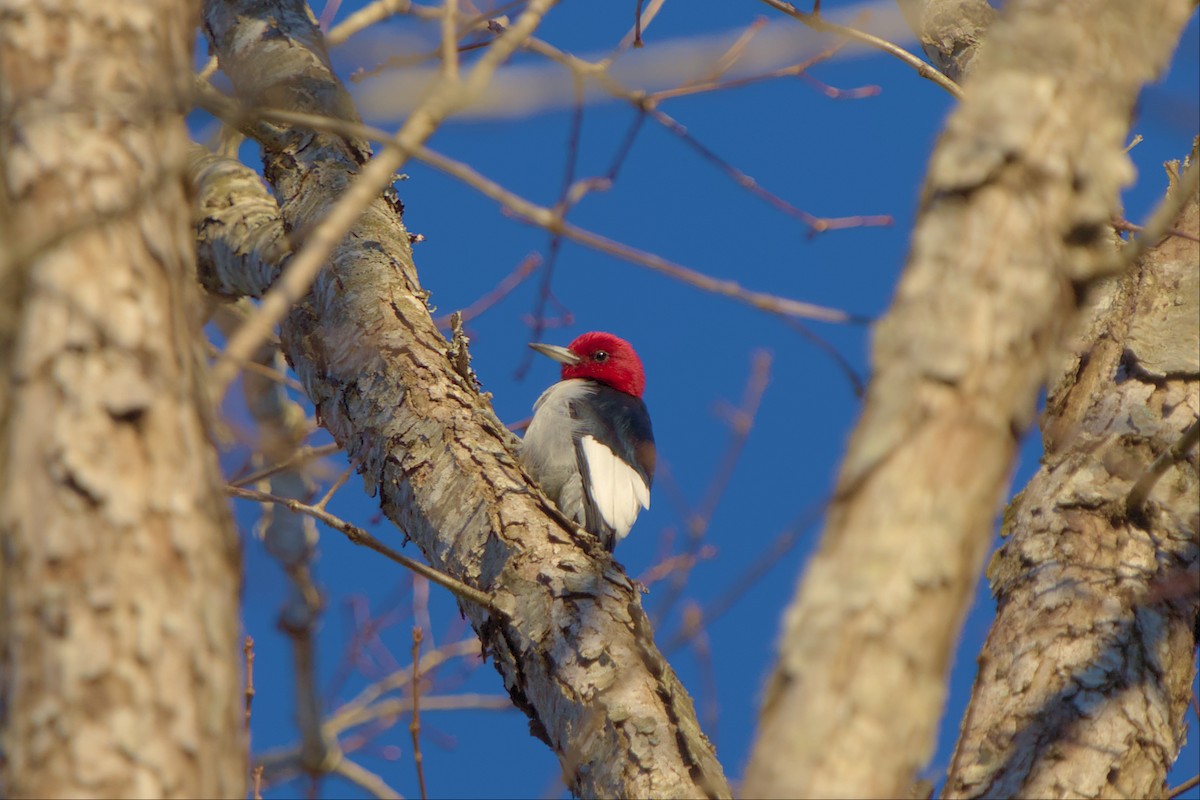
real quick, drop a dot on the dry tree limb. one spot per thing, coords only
(1086, 675)
(570, 638)
(1013, 228)
(815, 21)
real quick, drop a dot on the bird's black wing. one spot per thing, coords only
(619, 422)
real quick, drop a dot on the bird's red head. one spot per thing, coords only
(601, 357)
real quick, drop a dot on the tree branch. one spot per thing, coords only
(815, 21)
(571, 640)
(360, 537)
(1085, 678)
(1015, 212)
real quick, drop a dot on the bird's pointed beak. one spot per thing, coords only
(560, 354)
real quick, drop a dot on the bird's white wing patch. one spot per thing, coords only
(617, 490)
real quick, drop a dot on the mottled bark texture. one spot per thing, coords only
(120, 573)
(949, 31)
(1085, 678)
(571, 641)
(1012, 224)
(240, 239)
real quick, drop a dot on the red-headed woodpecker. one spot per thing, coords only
(590, 446)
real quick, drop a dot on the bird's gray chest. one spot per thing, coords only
(548, 449)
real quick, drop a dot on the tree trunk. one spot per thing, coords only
(120, 574)
(1086, 675)
(1012, 226)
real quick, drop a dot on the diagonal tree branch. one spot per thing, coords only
(570, 640)
(1085, 678)
(1013, 228)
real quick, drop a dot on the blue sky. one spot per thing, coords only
(829, 157)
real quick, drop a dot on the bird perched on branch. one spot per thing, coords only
(590, 445)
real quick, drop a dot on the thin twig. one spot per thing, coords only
(1140, 493)
(645, 103)
(262, 370)
(358, 710)
(377, 173)
(565, 203)
(511, 281)
(365, 779)
(1190, 783)
(734, 53)
(366, 637)
(1129, 227)
(750, 577)
(702, 650)
(741, 421)
(339, 483)
(815, 21)
(301, 455)
(713, 85)
(360, 537)
(1160, 221)
(683, 562)
(602, 184)
(834, 93)
(857, 384)
(815, 224)
(256, 777)
(548, 219)
(414, 725)
(248, 656)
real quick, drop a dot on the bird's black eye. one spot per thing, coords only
(600, 356)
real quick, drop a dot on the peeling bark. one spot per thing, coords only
(1012, 226)
(1085, 678)
(119, 666)
(571, 641)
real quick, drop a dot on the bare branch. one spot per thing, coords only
(815, 21)
(363, 778)
(552, 221)
(1136, 500)
(298, 457)
(321, 239)
(360, 537)
(450, 73)
(414, 725)
(1084, 681)
(1190, 783)
(248, 662)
